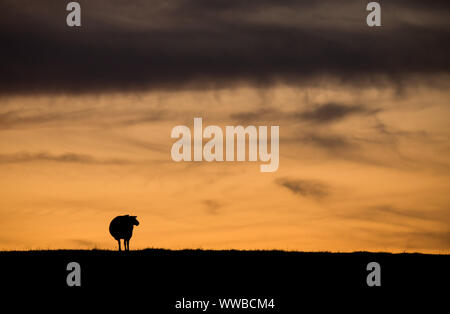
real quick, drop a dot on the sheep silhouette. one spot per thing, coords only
(121, 227)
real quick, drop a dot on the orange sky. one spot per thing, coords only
(368, 171)
(86, 115)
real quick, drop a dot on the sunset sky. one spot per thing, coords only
(364, 113)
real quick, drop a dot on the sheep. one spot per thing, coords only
(121, 227)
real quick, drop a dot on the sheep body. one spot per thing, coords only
(121, 227)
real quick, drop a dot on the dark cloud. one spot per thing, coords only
(329, 142)
(394, 134)
(196, 43)
(332, 112)
(64, 158)
(325, 113)
(306, 188)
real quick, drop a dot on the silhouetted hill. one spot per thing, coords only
(161, 277)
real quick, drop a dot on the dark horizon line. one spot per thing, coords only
(233, 251)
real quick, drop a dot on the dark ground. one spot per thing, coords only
(156, 278)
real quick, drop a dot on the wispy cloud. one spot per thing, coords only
(84, 243)
(147, 116)
(26, 118)
(320, 113)
(212, 206)
(391, 214)
(307, 188)
(333, 112)
(259, 115)
(328, 141)
(23, 157)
